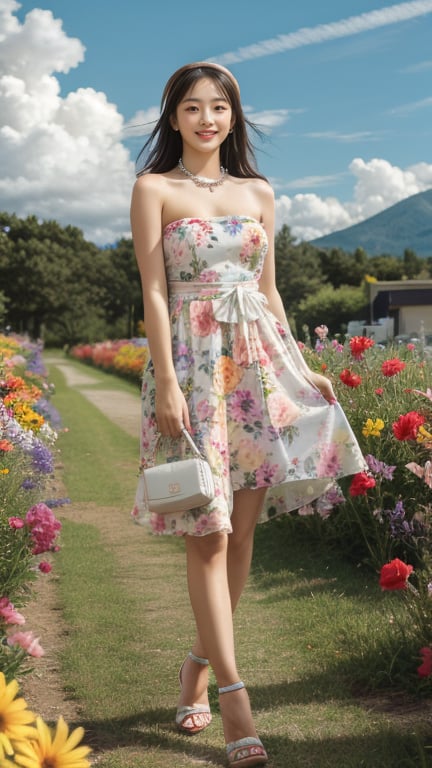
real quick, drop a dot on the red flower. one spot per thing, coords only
(392, 367)
(361, 483)
(425, 669)
(359, 344)
(394, 575)
(349, 378)
(45, 567)
(379, 391)
(16, 522)
(406, 427)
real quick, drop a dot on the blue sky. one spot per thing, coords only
(342, 88)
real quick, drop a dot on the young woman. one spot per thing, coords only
(223, 364)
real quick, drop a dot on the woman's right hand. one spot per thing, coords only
(171, 409)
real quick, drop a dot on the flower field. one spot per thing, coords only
(125, 358)
(29, 535)
(384, 516)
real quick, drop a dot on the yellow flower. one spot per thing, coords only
(4, 471)
(423, 435)
(373, 427)
(14, 717)
(55, 749)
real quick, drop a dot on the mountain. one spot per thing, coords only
(407, 224)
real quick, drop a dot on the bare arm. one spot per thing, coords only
(146, 223)
(267, 286)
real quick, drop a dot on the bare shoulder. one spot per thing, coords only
(149, 183)
(264, 191)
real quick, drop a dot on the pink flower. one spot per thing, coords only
(265, 473)
(28, 642)
(329, 463)
(16, 522)
(8, 612)
(301, 346)
(411, 347)
(45, 567)
(44, 527)
(282, 410)
(322, 332)
(379, 391)
(202, 319)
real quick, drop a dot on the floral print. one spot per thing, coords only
(254, 413)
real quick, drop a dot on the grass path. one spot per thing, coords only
(128, 622)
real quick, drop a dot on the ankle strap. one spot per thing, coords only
(198, 659)
(233, 687)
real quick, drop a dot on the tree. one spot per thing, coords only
(413, 264)
(333, 307)
(341, 268)
(125, 305)
(298, 270)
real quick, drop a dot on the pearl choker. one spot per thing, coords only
(202, 181)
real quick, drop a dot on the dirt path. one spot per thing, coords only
(43, 688)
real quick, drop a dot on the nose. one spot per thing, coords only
(205, 118)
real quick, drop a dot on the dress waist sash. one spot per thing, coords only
(231, 302)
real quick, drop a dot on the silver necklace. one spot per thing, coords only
(202, 181)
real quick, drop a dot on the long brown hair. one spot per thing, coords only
(164, 145)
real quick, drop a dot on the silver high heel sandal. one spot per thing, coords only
(194, 719)
(247, 752)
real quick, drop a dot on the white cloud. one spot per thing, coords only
(342, 137)
(378, 185)
(353, 25)
(62, 158)
(413, 106)
(421, 66)
(142, 123)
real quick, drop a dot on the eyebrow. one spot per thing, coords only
(217, 98)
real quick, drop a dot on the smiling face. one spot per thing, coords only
(203, 116)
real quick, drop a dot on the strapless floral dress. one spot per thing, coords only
(254, 413)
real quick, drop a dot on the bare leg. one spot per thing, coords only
(247, 508)
(218, 567)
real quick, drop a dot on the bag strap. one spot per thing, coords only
(188, 438)
(185, 434)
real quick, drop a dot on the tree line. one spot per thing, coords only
(56, 285)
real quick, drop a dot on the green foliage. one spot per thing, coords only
(63, 288)
(338, 306)
(298, 270)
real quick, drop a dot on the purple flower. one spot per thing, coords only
(52, 503)
(379, 467)
(265, 473)
(42, 458)
(244, 407)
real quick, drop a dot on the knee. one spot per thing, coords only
(207, 548)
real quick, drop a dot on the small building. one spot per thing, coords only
(407, 302)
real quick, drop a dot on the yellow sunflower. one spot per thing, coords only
(14, 717)
(55, 749)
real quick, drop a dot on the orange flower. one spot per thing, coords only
(226, 375)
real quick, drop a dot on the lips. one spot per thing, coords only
(206, 134)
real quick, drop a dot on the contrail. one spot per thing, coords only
(353, 25)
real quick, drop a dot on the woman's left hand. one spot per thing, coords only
(324, 385)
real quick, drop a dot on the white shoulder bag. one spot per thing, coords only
(180, 485)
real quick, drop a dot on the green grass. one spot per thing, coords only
(306, 621)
